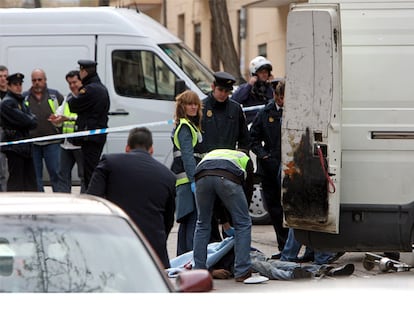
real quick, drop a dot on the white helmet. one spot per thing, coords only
(258, 63)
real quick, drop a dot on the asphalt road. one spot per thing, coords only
(263, 238)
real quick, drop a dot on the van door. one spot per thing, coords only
(311, 126)
(56, 55)
(141, 88)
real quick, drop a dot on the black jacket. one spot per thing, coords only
(16, 120)
(265, 137)
(223, 125)
(144, 188)
(92, 106)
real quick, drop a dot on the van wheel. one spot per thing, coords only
(257, 211)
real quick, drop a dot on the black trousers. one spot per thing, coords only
(91, 151)
(272, 194)
(22, 176)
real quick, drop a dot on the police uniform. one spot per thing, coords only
(224, 127)
(223, 123)
(17, 120)
(92, 107)
(265, 138)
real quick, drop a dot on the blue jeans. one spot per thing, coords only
(281, 270)
(292, 247)
(68, 158)
(51, 154)
(234, 199)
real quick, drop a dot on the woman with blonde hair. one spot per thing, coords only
(186, 139)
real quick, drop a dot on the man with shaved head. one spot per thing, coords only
(43, 103)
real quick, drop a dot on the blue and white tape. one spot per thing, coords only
(86, 133)
(100, 131)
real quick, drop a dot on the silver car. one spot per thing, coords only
(79, 243)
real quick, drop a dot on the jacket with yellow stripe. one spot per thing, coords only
(186, 151)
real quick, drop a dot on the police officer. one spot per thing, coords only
(265, 138)
(92, 107)
(224, 127)
(223, 123)
(17, 120)
(258, 90)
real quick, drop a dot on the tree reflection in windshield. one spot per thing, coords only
(66, 254)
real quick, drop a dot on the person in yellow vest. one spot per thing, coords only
(43, 102)
(69, 153)
(228, 174)
(186, 152)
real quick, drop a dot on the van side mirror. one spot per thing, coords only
(179, 87)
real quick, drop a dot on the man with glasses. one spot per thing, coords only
(223, 127)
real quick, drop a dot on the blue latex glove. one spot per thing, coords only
(229, 231)
(193, 187)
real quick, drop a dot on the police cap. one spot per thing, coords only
(224, 79)
(86, 63)
(15, 78)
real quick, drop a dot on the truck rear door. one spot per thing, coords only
(311, 127)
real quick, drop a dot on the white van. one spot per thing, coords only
(348, 128)
(139, 61)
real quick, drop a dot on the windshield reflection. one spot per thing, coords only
(74, 254)
(191, 64)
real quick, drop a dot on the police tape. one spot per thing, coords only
(85, 133)
(99, 131)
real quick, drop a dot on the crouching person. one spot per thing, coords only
(227, 174)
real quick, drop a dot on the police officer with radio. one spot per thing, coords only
(92, 107)
(258, 90)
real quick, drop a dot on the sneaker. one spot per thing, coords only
(244, 276)
(346, 270)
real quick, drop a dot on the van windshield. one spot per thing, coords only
(191, 64)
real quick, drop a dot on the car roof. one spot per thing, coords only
(30, 203)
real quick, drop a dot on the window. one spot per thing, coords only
(262, 49)
(142, 74)
(197, 39)
(181, 27)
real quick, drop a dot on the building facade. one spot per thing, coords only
(258, 27)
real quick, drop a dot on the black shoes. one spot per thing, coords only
(328, 270)
(346, 270)
(336, 257)
(305, 258)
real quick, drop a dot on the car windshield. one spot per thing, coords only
(63, 253)
(191, 65)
